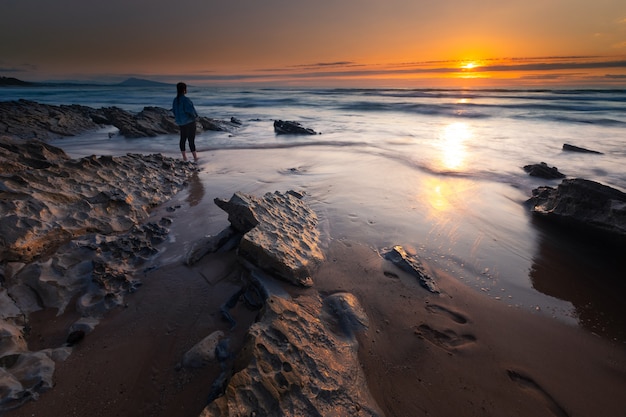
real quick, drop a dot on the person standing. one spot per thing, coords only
(185, 115)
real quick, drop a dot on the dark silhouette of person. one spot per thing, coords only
(185, 115)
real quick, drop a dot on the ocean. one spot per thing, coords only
(437, 171)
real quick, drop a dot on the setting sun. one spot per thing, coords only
(469, 65)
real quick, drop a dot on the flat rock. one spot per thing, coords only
(582, 203)
(573, 148)
(280, 234)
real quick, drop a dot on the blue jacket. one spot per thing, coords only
(184, 111)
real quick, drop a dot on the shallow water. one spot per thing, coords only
(438, 171)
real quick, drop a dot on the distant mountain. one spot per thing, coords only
(139, 82)
(9, 81)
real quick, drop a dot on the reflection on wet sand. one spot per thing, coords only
(453, 140)
(587, 273)
(196, 190)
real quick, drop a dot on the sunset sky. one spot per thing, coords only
(382, 43)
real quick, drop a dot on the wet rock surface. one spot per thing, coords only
(411, 264)
(282, 127)
(71, 235)
(542, 170)
(584, 204)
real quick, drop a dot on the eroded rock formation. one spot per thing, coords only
(280, 234)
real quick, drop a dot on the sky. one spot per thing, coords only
(351, 43)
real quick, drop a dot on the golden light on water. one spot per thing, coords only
(453, 150)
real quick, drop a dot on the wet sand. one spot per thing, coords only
(456, 353)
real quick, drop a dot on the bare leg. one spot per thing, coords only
(195, 156)
(184, 155)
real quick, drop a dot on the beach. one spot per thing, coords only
(484, 345)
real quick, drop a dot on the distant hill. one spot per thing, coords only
(139, 82)
(9, 81)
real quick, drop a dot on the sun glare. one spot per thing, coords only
(469, 65)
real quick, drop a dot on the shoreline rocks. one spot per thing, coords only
(584, 204)
(26, 119)
(71, 231)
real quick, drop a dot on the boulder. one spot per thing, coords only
(280, 234)
(582, 203)
(542, 170)
(293, 364)
(293, 128)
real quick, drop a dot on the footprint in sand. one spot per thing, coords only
(455, 316)
(526, 382)
(447, 339)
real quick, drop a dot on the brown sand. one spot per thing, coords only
(455, 354)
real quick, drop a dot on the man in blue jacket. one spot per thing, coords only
(185, 114)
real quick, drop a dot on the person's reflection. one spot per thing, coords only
(581, 269)
(196, 190)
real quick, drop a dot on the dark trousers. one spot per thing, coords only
(188, 132)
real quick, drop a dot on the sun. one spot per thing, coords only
(469, 65)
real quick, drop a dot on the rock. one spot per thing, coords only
(280, 234)
(399, 257)
(344, 312)
(294, 128)
(30, 120)
(582, 203)
(203, 352)
(291, 362)
(542, 170)
(209, 244)
(572, 148)
(49, 199)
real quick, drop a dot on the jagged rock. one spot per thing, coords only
(542, 170)
(280, 234)
(572, 148)
(62, 198)
(582, 203)
(399, 257)
(292, 364)
(203, 352)
(31, 120)
(294, 128)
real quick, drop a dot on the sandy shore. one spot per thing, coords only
(454, 353)
(460, 352)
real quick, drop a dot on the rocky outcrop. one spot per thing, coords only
(292, 128)
(49, 199)
(584, 204)
(298, 361)
(573, 148)
(280, 234)
(542, 170)
(70, 231)
(30, 120)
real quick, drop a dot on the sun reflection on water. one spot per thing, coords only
(454, 153)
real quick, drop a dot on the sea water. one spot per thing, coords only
(438, 171)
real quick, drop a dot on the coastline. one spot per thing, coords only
(459, 352)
